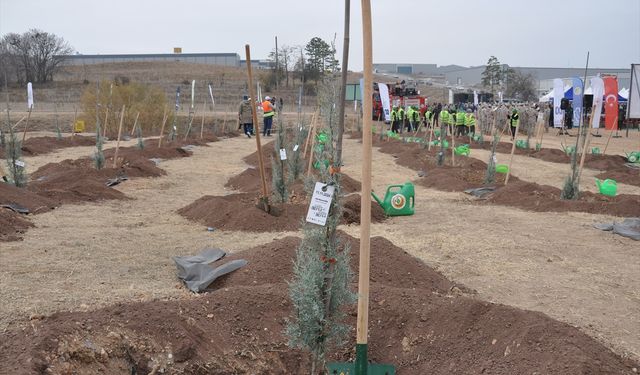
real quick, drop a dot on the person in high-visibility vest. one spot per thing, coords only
(427, 118)
(460, 128)
(268, 113)
(413, 117)
(401, 118)
(444, 121)
(470, 122)
(514, 121)
(395, 125)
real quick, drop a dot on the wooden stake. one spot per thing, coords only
(26, 125)
(263, 178)
(165, 116)
(75, 118)
(453, 149)
(135, 123)
(584, 150)
(362, 327)
(18, 123)
(115, 154)
(513, 150)
(609, 138)
(311, 129)
(204, 106)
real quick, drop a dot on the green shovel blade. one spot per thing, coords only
(350, 369)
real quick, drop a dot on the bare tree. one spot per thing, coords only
(34, 55)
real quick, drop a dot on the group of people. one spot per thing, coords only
(462, 118)
(245, 115)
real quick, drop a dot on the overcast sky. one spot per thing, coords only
(541, 33)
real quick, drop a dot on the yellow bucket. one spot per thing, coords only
(78, 127)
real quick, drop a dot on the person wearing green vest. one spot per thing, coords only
(401, 119)
(444, 121)
(413, 117)
(470, 122)
(394, 119)
(427, 118)
(514, 121)
(460, 128)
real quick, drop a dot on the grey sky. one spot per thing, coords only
(463, 32)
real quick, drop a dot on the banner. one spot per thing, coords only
(383, 89)
(29, 96)
(578, 93)
(211, 95)
(450, 97)
(475, 98)
(558, 94)
(610, 103)
(597, 87)
(193, 92)
(633, 105)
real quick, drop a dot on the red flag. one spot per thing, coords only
(610, 103)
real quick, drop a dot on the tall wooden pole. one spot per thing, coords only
(115, 154)
(362, 327)
(263, 178)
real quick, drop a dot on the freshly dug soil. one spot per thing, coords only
(12, 226)
(544, 198)
(622, 175)
(239, 212)
(44, 145)
(9, 194)
(419, 321)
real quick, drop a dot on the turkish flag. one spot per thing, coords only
(610, 103)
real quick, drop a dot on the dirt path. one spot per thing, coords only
(547, 173)
(549, 262)
(85, 256)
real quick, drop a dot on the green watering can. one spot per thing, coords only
(462, 150)
(322, 138)
(317, 164)
(595, 150)
(436, 132)
(607, 187)
(569, 150)
(476, 137)
(398, 201)
(437, 143)
(393, 135)
(502, 168)
(538, 146)
(633, 157)
(521, 143)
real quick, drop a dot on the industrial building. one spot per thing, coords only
(227, 59)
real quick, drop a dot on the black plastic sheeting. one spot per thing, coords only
(196, 271)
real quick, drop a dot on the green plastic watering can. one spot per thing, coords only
(502, 168)
(607, 187)
(538, 146)
(436, 132)
(521, 143)
(398, 200)
(393, 135)
(476, 137)
(633, 157)
(317, 164)
(595, 150)
(569, 150)
(437, 143)
(322, 138)
(462, 150)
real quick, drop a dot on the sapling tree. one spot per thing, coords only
(278, 180)
(490, 175)
(319, 289)
(295, 161)
(13, 155)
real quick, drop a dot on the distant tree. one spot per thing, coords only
(320, 58)
(520, 86)
(492, 75)
(285, 64)
(34, 55)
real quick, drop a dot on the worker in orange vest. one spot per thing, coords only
(267, 114)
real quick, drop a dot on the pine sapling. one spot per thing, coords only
(13, 154)
(140, 140)
(278, 181)
(490, 175)
(295, 161)
(98, 156)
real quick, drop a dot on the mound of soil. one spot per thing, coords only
(622, 175)
(9, 194)
(351, 210)
(534, 197)
(43, 145)
(416, 323)
(12, 225)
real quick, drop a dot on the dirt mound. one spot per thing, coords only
(239, 212)
(351, 210)
(622, 175)
(44, 145)
(12, 225)
(534, 197)
(36, 204)
(416, 323)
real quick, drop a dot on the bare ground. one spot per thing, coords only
(80, 257)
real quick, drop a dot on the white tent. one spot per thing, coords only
(549, 96)
(624, 93)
